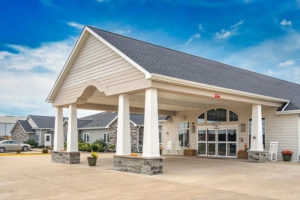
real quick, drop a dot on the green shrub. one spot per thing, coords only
(33, 143)
(83, 146)
(101, 142)
(95, 146)
(41, 146)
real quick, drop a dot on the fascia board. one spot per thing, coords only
(173, 80)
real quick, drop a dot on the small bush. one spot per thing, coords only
(101, 142)
(45, 151)
(95, 147)
(83, 146)
(33, 143)
(41, 146)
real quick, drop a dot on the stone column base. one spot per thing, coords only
(258, 156)
(65, 157)
(149, 166)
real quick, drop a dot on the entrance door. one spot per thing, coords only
(220, 142)
(47, 141)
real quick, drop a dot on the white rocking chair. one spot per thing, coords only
(273, 150)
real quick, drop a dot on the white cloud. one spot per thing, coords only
(191, 39)
(51, 56)
(286, 63)
(24, 89)
(223, 34)
(201, 28)
(284, 22)
(123, 32)
(237, 24)
(76, 25)
(266, 57)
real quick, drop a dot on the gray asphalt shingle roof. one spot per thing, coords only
(43, 121)
(168, 62)
(105, 118)
(26, 126)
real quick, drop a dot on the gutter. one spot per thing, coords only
(288, 112)
(179, 81)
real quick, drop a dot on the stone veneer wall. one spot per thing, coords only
(258, 156)
(65, 157)
(149, 166)
(133, 135)
(18, 134)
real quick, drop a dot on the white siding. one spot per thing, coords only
(99, 63)
(283, 128)
(94, 134)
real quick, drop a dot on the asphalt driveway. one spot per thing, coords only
(36, 177)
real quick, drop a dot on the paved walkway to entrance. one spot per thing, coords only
(36, 177)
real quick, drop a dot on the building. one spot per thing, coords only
(215, 108)
(34, 127)
(6, 125)
(90, 128)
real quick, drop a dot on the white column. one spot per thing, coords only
(123, 133)
(58, 130)
(256, 129)
(72, 143)
(151, 134)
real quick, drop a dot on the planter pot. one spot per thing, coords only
(92, 161)
(189, 152)
(287, 157)
(243, 155)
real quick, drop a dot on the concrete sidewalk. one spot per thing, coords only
(36, 177)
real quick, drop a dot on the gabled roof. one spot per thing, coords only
(97, 120)
(43, 122)
(104, 119)
(163, 61)
(26, 126)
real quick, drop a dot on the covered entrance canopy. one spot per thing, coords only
(106, 71)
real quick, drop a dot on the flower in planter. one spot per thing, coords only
(94, 154)
(287, 152)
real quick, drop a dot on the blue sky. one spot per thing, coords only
(37, 37)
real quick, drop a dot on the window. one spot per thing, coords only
(184, 129)
(233, 117)
(106, 137)
(263, 131)
(36, 138)
(86, 137)
(201, 118)
(217, 115)
(160, 134)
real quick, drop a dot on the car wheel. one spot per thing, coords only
(25, 148)
(2, 149)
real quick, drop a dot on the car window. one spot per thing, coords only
(13, 142)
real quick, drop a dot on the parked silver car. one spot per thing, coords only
(13, 145)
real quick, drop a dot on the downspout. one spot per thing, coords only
(286, 105)
(137, 138)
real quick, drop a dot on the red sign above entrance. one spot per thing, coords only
(217, 96)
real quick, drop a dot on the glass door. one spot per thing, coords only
(211, 142)
(202, 142)
(217, 142)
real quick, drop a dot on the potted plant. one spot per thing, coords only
(161, 150)
(287, 155)
(92, 160)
